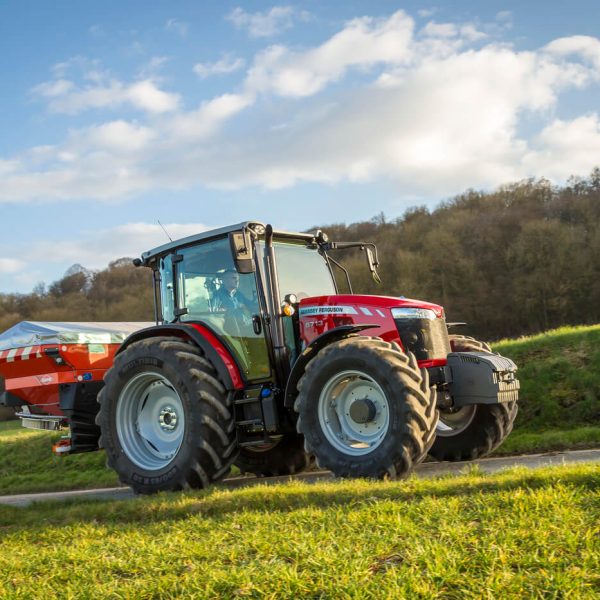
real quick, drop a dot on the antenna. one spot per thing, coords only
(166, 232)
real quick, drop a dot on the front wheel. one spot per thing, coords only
(366, 409)
(476, 430)
(165, 418)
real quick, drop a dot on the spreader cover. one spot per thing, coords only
(33, 333)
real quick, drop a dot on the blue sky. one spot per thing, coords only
(198, 114)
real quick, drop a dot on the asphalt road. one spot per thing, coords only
(433, 469)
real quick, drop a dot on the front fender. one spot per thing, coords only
(204, 338)
(333, 335)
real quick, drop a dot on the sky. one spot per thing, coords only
(117, 115)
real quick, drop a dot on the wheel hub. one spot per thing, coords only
(363, 410)
(353, 413)
(150, 420)
(167, 418)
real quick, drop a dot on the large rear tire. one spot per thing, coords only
(473, 431)
(165, 418)
(366, 409)
(285, 456)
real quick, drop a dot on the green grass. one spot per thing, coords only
(27, 464)
(560, 378)
(559, 409)
(517, 534)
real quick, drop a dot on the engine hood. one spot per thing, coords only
(340, 303)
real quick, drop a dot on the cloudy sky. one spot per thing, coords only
(115, 115)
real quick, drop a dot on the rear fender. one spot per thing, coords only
(205, 339)
(333, 335)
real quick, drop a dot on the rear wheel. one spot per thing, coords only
(165, 417)
(285, 456)
(366, 409)
(472, 431)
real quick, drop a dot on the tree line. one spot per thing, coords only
(521, 259)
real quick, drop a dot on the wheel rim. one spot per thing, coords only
(150, 421)
(455, 421)
(353, 413)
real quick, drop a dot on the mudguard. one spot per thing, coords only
(200, 334)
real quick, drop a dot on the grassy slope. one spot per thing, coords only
(559, 408)
(512, 535)
(559, 404)
(28, 465)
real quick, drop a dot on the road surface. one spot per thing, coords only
(433, 469)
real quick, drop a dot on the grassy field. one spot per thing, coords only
(559, 409)
(28, 465)
(518, 534)
(559, 401)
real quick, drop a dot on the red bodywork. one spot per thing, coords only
(322, 313)
(32, 373)
(224, 355)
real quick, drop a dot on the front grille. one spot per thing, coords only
(427, 339)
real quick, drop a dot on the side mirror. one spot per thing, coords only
(373, 264)
(241, 248)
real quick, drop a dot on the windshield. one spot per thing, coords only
(301, 270)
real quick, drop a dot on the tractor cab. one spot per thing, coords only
(236, 281)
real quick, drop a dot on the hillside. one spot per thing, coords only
(522, 259)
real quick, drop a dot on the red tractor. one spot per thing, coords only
(257, 360)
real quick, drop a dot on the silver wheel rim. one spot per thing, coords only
(453, 422)
(150, 421)
(342, 431)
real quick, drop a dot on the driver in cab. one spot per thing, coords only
(228, 297)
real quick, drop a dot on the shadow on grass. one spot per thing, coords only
(217, 503)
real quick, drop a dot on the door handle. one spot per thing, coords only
(257, 324)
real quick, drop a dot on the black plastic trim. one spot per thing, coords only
(10, 400)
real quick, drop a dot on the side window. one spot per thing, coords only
(216, 294)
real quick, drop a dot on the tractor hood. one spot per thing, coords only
(420, 329)
(355, 304)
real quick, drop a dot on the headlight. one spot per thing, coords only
(413, 313)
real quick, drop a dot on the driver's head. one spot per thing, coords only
(231, 280)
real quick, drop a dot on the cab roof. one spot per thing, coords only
(191, 240)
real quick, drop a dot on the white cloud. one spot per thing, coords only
(426, 12)
(66, 97)
(208, 117)
(95, 249)
(437, 110)
(10, 265)
(266, 24)
(119, 136)
(178, 27)
(583, 45)
(565, 148)
(153, 66)
(226, 64)
(8, 166)
(362, 43)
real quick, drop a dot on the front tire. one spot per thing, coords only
(475, 430)
(366, 409)
(165, 418)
